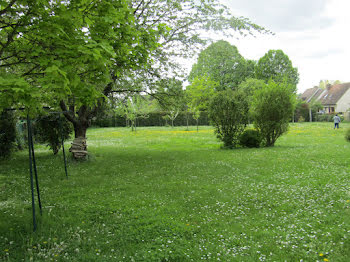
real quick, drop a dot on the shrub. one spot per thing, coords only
(301, 119)
(7, 133)
(250, 138)
(48, 129)
(347, 135)
(272, 109)
(228, 112)
(328, 117)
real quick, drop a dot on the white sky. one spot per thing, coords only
(313, 33)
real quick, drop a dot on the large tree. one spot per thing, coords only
(276, 65)
(72, 54)
(222, 62)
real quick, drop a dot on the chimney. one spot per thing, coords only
(328, 86)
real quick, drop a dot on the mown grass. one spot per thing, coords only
(164, 194)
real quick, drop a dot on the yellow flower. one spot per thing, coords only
(347, 201)
(325, 259)
(6, 250)
(187, 224)
(321, 255)
(45, 242)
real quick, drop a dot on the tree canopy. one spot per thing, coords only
(67, 49)
(222, 62)
(200, 91)
(276, 65)
(59, 49)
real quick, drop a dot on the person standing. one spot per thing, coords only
(336, 120)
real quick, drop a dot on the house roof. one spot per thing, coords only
(328, 96)
(311, 93)
(332, 95)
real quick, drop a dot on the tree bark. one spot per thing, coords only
(80, 128)
(81, 120)
(310, 115)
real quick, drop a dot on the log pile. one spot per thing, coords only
(79, 148)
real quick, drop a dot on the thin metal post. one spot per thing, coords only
(64, 153)
(31, 172)
(35, 169)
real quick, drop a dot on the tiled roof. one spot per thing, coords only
(311, 93)
(328, 96)
(332, 95)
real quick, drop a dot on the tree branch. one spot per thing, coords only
(68, 114)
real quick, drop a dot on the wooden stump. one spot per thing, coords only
(79, 148)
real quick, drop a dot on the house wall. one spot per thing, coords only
(344, 102)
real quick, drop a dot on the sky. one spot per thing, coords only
(313, 33)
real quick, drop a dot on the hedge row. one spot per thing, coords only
(153, 119)
(327, 117)
(159, 119)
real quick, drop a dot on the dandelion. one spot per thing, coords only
(321, 254)
(187, 224)
(45, 242)
(325, 259)
(6, 250)
(347, 201)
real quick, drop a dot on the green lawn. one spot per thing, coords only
(165, 194)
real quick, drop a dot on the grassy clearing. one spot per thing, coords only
(165, 194)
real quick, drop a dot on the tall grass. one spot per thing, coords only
(164, 194)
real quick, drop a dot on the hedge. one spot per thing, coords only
(153, 119)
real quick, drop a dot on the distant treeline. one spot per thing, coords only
(153, 119)
(160, 119)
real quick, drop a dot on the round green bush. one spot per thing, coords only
(250, 138)
(228, 112)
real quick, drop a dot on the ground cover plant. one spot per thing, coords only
(163, 194)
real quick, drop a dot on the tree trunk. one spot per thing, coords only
(80, 129)
(79, 146)
(187, 120)
(81, 122)
(310, 115)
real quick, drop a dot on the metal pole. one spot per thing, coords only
(64, 153)
(31, 173)
(34, 163)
